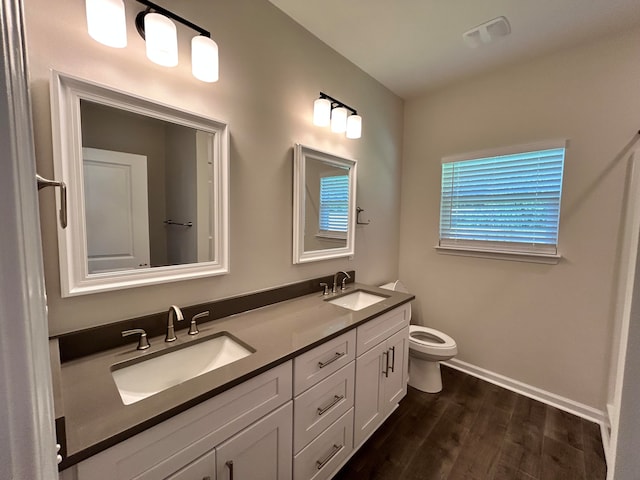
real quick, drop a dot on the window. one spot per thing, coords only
(508, 203)
(334, 206)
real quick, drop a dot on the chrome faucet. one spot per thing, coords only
(174, 311)
(344, 280)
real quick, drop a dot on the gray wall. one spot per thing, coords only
(181, 187)
(548, 326)
(271, 71)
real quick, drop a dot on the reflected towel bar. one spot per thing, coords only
(171, 222)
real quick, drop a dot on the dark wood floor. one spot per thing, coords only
(476, 430)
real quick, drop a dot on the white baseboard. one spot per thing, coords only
(581, 410)
(606, 442)
(613, 413)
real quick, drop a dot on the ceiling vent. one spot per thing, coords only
(487, 32)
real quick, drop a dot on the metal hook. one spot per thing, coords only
(358, 222)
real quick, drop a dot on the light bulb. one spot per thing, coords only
(161, 39)
(354, 126)
(321, 112)
(339, 120)
(204, 59)
(106, 22)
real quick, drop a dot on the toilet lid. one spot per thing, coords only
(398, 286)
(430, 336)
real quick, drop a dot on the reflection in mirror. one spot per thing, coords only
(146, 183)
(324, 199)
(148, 189)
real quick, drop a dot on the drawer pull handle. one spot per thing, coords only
(334, 451)
(385, 370)
(336, 399)
(393, 359)
(229, 465)
(335, 357)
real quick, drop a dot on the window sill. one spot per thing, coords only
(332, 236)
(545, 258)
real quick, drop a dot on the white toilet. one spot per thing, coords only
(427, 348)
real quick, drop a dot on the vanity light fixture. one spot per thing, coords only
(321, 112)
(339, 120)
(161, 39)
(354, 126)
(106, 24)
(342, 118)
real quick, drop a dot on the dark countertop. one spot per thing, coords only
(96, 418)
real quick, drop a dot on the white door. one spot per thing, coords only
(369, 409)
(116, 210)
(262, 451)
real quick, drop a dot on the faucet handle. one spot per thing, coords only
(193, 327)
(344, 281)
(143, 342)
(326, 288)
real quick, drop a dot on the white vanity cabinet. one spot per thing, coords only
(323, 408)
(195, 444)
(203, 468)
(381, 370)
(260, 452)
(301, 420)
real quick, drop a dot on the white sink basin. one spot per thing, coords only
(357, 300)
(140, 380)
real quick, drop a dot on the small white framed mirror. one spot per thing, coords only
(148, 189)
(324, 191)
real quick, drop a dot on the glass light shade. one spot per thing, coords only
(322, 112)
(339, 120)
(161, 39)
(204, 59)
(106, 22)
(354, 126)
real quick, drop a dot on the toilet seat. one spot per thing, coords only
(431, 341)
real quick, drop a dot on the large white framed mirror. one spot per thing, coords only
(148, 188)
(324, 199)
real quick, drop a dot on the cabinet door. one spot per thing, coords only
(262, 451)
(369, 409)
(395, 382)
(203, 468)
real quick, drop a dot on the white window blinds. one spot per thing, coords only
(334, 204)
(503, 203)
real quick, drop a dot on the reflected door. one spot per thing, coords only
(116, 210)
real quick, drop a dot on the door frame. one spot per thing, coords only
(27, 446)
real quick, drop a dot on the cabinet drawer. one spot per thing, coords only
(320, 459)
(321, 405)
(167, 447)
(381, 328)
(317, 364)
